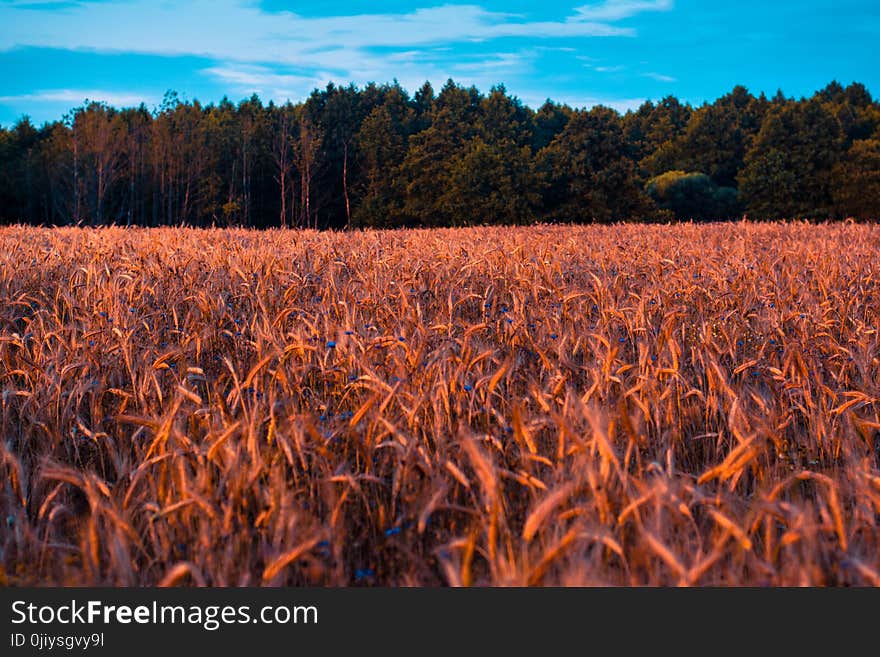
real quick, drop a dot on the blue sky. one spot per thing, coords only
(55, 54)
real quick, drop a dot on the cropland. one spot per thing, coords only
(625, 405)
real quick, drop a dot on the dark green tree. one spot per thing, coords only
(338, 121)
(425, 169)
(652, 133)
(787, 172)
(377, 157)
(856, 181)
(23, 179)
(854, 108)
(382, 143)
(587, 174)
(490, 184)
(719, 135)
(549, 121)
(504, 118)
(693, 196)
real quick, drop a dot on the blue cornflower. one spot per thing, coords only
(331, 344)
(468, 387)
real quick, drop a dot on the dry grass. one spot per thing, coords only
(618, 405)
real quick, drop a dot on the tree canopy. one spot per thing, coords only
(379, 157)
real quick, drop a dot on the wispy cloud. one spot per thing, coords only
(284, 55)
(498, 62)
(37, 5)
(76, 96)
(238, 30)
(411, 68)
(659, 77)
(268, 83)
(615, 10)
(622, 105)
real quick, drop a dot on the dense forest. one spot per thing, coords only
(378, 157)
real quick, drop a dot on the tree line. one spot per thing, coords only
(379, 157)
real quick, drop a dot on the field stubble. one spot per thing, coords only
(620, 405)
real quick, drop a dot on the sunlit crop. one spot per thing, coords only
(623, 405)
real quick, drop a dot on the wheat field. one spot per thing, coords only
(548, 405)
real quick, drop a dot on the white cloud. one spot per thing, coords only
(267, 83)
(621, 105)
(615, 10)
(238, 30)
(77, 96)
(411, 69)
(37, 4)
(660, 77)
(497, 62)
(283, 55)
